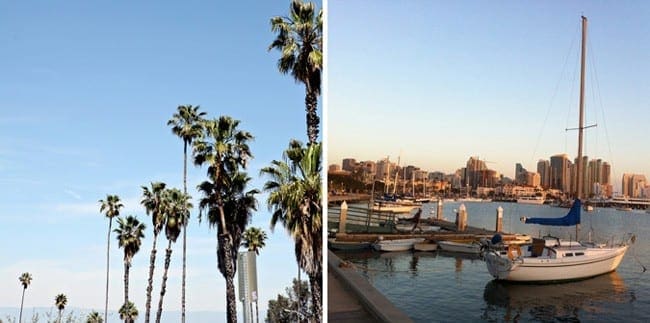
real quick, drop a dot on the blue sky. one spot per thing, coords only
(86, 90)
(440, 81)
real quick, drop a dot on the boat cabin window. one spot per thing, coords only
(569, 254)
(580, 253)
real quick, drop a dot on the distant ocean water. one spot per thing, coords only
(445, 287)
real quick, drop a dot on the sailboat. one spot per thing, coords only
(550, 259)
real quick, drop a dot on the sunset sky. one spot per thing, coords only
(437, 82)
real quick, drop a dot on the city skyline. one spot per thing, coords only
(505, 92)
(618, 185)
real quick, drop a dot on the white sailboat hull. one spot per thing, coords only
(594, 262)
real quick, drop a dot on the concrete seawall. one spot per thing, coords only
(375, 303)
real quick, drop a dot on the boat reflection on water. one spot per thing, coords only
(564, 301)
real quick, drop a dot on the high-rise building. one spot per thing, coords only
(633, 184)
(560, 172)
(247, 274)
(349, 164)
(606, 174)
(586, 187)
(544, 170)
(383, 169)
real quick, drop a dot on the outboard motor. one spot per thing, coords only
(496, 239)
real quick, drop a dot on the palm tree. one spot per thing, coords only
(128, 312)
(129, 237)
(254, 240)
(299, 39)
(112, 207)
(186, 124)
(25, 279)
(295, 199)
(225, 149)
(154, 204)
(60, 301)
(176, 215)
(94, 317)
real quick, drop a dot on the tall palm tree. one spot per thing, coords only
(128, 312)
(25, 279)
(295, 199)
(60, 301)
(254, 240)
(155, 204)
(176, 215)
(186, 124)
(300, 40)
(111, 206)
(94, 317)
(129, 237)
(227, 203)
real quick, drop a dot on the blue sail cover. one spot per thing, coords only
(572, 218)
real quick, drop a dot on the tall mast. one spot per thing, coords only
(582, 109)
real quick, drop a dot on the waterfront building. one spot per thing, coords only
(334, 168)
(560, 172)
(247, 274)
(632, 184)
(533, 179)
(544, 170)
(586, 187)
(349, 164)
(383, 169)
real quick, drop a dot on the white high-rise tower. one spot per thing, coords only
(247, 272)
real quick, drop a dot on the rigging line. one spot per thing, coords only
(557, 87)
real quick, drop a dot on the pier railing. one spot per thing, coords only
(361, 220)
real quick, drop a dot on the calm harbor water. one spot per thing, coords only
(446, 287)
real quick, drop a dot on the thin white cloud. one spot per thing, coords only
(73, 194)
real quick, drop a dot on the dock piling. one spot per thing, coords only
(461, 218)
(343, 217)
(439, 209)
(499, 224)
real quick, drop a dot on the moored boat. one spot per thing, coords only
(397, 244)
(464, 247)
(536, 200)
(551, 259)
(425, 246)
(348, 245)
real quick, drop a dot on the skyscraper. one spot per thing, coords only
(560, 172)
(247, 274)
(544, 170)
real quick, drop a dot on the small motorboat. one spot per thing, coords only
(348, 245)
(396, 245)
(464, 247)
(425, 246)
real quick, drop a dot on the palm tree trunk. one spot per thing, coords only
(127, 266)
(311, 103)
(184, 233)
(20, 317)
(152, 263)
(163, 286)
(316, 285)
(108, 249)
(60, 316)
(231, 302)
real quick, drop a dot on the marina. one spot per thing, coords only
(464, 290)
